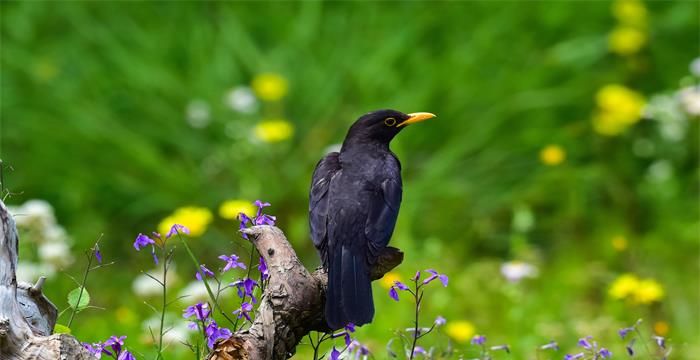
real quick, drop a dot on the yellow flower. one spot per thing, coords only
(274, 130)
(552, 155)
(230, 209)
(388, 280)
(629, 286)
(648, 291)
(661, 328)
(630, 12)
(196, 219)
(624, 286)
(626, 40)
(618, 108)
(619, 243)
(270, 86)
(460, 330)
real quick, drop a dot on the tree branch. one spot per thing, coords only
(292, 304)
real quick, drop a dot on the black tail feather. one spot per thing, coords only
(349, 296)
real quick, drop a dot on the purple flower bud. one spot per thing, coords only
(126, 356)
(177, 229)
(574, 357)
(416, 277)
(350, 327)
(583, 342)
(605, 353)
(203, 272)
(478, 340)
(97, 253)
(335, 354)
(262, 267)
(400, 285)
(394, 294)
(660, 341)
(439, 321)
(624, 332)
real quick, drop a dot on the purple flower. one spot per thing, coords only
(126, 356)
(244, 221)
(660, 341)
(177, 229)
(203, 272)
(419, 350)
(574, 357)
(214, 332)
(550, 345)
(265, 219)
(153, 253)
(605, 353)
(243, 311)
(583, 342)
(358, 348)
(94, 349)
(439, 321)
(624, 332)
(350, 327)
(231, 262)
(142, 241)
(394, 294)
(97, 253)
(434, 275)
(261, 205)
(400, 285)
(245, 287)
(417, 276)
(199, 310)
(262, 267)
(478, 340)
(335, 354)
(116, 343)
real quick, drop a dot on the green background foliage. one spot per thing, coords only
(94, 99)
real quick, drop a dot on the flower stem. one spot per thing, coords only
(82, 288)
(166, 259)
(641, 338)
(415, 330)
(206, 283)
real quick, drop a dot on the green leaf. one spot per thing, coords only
(61, 329)
(73, 299)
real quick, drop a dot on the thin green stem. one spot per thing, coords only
(166, 259)
(206, 283)
(415, 330)
(641, 339)
(82, 288)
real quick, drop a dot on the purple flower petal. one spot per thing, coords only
(400, 285)
(478, 340)
(335, 354)
(203, 272)
(394, 294)
(142, 241)
(177, 229)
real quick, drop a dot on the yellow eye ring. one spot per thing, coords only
(390, 121)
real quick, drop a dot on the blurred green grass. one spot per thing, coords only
(94, 99)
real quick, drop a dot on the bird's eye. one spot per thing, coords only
(390, 121)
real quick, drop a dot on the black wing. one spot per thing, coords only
(318, 203)
(384, 211)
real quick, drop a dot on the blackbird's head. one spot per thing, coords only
(383, 125)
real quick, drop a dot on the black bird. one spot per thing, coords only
(353, 205)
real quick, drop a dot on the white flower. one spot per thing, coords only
(690, 100)
(660, 171)
(515, 271)
(34, 213)
(197, 114)
(56, 254)
(241, 99)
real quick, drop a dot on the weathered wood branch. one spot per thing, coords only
(292, 304)
(27, 317)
